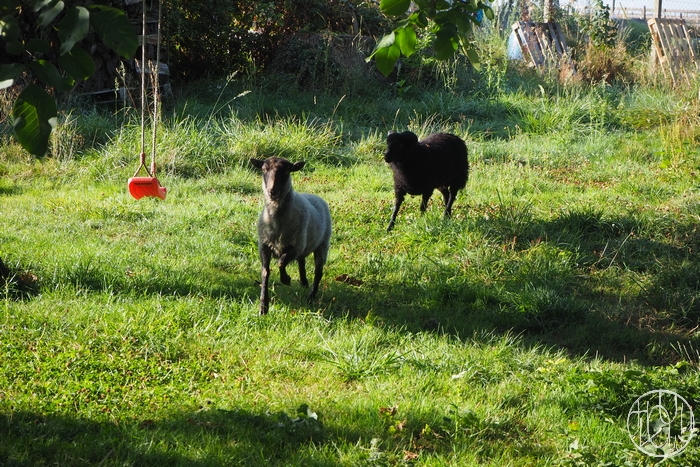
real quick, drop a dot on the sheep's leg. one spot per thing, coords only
(424, 201)
(287, 257)
(302, 271)
(449, 196)
(319, 259)
(265, 255)
(400, 194)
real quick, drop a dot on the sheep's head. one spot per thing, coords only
(398, 144)
(276, 181)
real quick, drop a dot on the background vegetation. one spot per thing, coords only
(517, 333)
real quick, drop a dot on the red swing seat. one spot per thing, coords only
(146, 186)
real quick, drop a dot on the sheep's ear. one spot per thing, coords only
(257, 163)
(297, 166)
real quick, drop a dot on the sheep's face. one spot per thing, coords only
(399, 144)
(276, 182)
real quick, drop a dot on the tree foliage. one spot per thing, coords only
(41, 39)
(599, 27)
(451, 22)
(216, 37)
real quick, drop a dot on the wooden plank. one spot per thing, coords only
(674, 48)
(562, 41)
(553, 33)
(528, 42)
(542, 43)
(659, 46)
(526, 46)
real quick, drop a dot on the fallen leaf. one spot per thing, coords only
(348, 280)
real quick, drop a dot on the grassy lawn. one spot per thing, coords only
(517, 333)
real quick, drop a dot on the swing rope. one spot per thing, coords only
(155, 69)
(143, 91)
(148, 186)
(152, 68)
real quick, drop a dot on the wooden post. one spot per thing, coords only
(657, 14)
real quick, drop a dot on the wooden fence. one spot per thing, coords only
(691, 17)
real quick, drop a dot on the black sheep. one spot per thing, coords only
(439, 161)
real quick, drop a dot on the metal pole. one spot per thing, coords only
(657, 8)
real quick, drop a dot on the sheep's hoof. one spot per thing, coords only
(284, 277)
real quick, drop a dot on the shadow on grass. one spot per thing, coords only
(591, 285)
(227, 437)
(215, 437)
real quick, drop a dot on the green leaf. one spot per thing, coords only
(77, 63)
(429, 11)
(37, 46)
(34, 118)
(386, 58)
(15, 48)
(488, 12)
(115, 29)
(8, 73)
(406, 40)
(427, 7)
(8, 5)
(73, 28)
(461, 19)
(9, 28)
(48, 73)
(418, 18)
(384, 42)
(445, 43)
(9, 31)
(39, 4)
(387, 41)
(50, 11)
(394, 7)
(473, 57)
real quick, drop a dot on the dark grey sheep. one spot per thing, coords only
(290, 227)
(439, 161)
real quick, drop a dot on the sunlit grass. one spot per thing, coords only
(516, 333)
